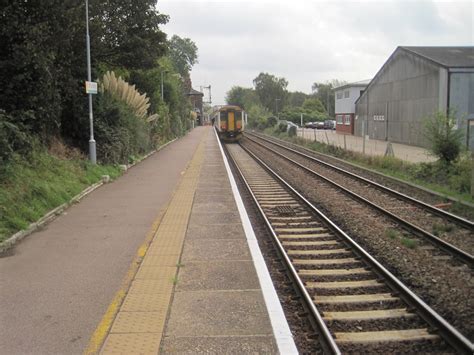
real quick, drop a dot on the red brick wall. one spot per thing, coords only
(342, 127)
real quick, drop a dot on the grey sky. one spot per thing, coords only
(307, 41)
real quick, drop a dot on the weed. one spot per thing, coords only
(439, 229)
(179, 265)
(409, 243)
(391, 233)
(174, 280)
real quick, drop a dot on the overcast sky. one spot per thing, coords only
(307, 41)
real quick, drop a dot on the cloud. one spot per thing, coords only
(306, 40)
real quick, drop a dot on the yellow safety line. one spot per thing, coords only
(100, 334)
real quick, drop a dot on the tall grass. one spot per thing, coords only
(30, 187)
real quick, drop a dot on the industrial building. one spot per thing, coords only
(345, 97)
(414, 83)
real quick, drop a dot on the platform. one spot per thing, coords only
(197, 289)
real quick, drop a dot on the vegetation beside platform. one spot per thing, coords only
(31, 186)
(142, 100)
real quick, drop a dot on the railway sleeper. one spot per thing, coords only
(377, 320)
(325, 253)
(368, 314)
(385, 336)
(334, 272)
(343, 284)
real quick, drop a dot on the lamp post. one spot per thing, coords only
(276, 108)
(162, 93)
(92, 148)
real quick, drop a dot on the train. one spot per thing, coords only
(229, 121)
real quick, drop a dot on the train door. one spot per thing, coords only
(231, 121)
(238, 120)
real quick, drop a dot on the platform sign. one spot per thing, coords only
(91, 87)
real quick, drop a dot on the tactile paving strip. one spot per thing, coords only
(132, 343)
(139, 324)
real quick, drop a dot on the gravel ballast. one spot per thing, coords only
(443, 284)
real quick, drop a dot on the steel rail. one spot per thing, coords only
(454, 218)
(447, 247)
(309, 303)
(446, 330)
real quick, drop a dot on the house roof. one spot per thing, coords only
(451, 57)
(448, 57)
(362, 83)
(195, 92)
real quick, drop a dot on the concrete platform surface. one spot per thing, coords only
(57, 284)
(217, 306)
(204, 293)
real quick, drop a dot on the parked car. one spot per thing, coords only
(313, 125)
(329, 124)
(319, 125)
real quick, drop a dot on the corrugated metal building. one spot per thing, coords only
(414, 83)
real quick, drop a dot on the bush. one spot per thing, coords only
(271, 121)
(444, 138)
(120, 134)
(282, 127)
(13, 138)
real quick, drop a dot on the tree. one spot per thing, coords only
(314, 104)
(325, 93)
(271, 91)
(28, 70)
(443, 136)
(43, 62)
(242, 97)
(126, 33)
(183, 54)
(297, 98)
(259, 117)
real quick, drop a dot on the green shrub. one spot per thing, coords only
(118, 132)
(14, 138)
(271, 121)
(444, 138)
(282, 127)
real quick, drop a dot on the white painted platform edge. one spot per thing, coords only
(281, 329)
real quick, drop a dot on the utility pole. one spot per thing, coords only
(92, 148)
(327, 101)
(276, 108)
(162, 92)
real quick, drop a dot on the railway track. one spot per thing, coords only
(355, 303)
(455, 234)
